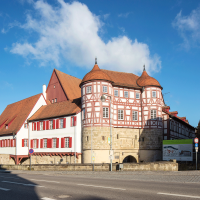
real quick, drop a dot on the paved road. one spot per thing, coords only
(48, 185)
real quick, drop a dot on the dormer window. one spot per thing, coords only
(153, 94)
(105, 90)
(25, 125)
(6, 126)
(89, 89)
(137, 95)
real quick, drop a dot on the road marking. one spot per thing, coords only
(5, 189)
(46, 198)
(102, 187)
(22, 184)
(44, 181)
(180, 195)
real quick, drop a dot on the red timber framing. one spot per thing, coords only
(61, 154)
(94, 107)
(18, 158)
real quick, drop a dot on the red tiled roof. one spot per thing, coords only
(70, 85)
(59, 109)
(96, 74)
(16, 114)
(146, 80)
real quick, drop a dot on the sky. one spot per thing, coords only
(37, 36)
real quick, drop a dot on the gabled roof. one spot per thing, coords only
(15, 115)
(70, 85)
(59, 109)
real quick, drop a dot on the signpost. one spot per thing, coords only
(196, 141)
(31, 151)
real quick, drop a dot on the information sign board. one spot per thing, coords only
(181, 150)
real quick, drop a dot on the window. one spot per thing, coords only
(73, 121)
(87, 138)
(83, 114)
(137, 95)
(54, 142)
(25, 125)
(54, 86)
(103, 137)
(105, 89)
(41, 125)
(67, 142)
(55, 100)
(61, 123)
(135, 115)
(89, 89)
(154, 94)
(51, 124)
(116, 93)
(126, 94)
(45, 143)
(6, 126)
(105, 112)
(25, 143)
(52, 100)
(120, 114)
(153, 114)
(34, 144)
(117, 136)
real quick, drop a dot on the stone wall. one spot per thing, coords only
(5, 159)
(125, 142)
(156, 166)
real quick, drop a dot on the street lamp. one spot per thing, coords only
(103, 99)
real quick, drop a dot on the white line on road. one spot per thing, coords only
(180, 195)
(22, 184)
(102, 187)
(5, 189)
(46, 198)
(44, 181)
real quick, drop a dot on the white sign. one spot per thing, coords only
(111, 157)
(181, 150)
(196, 148)
(196, 140)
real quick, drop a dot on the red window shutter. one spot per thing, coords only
(44, 128)
(41, 143)
(57, 123)
(49, 143)
(47, 125)
(57, 143)
(74, 120)
(22, 142)
(14, 142)
(31, 144)
(62, 142)
(54, 121)
(11, 143)
(37, 143)
(34, 126)
(64, 123)
(70, 142)
(38, 126)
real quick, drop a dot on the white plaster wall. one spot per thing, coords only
(7, 150)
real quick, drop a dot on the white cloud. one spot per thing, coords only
(72, 31)
(188, 28)
(125, 15)
(106, 16)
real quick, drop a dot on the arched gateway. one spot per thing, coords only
(129, 159)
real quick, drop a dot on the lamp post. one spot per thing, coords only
(103, 98)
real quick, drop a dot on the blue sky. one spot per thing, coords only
(38, 36)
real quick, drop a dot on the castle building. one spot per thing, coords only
(69, 122)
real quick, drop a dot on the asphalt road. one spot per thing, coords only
(19, 185)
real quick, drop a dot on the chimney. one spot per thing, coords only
(44, 88)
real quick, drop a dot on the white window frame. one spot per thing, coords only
(105, 89)
(41, 126)
(116, 93)
(45, 143)
(137, 97)
(67, 142)
(51, 124)
(120, 114)
(25, 142)
(52, 100)
(55, 100)
(125, 94)
(135, 115)
(61, 123)
(34, 143)
(154, 94)
(153, 114)
(105, 112)
(54, 142)
(89, 89)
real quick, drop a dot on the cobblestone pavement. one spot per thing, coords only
(158, 176)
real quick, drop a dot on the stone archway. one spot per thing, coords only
(129, 159)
